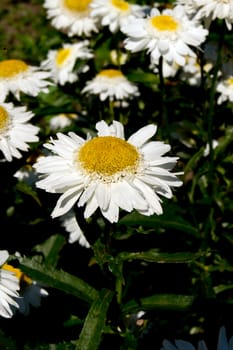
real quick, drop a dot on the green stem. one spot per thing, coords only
(210, 115)
(164, 117)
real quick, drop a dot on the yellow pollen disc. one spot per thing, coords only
(10, 68)
(77, 5)
(230, 81)
(3, 117)
(164, 22)
(62, 56)
(121, 5)
(18, 273)
(108, 155)
(110, 73)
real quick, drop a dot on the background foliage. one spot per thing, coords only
(176, 267)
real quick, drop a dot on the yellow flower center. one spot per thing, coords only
(110, 73)
(121, 5)
(230, 81)
(62, 55)
(10, 68)
(18, 273)
(4, 118)
(77, 5)
(107, 156)
(164, 22)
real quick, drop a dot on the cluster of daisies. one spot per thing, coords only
(108, 171)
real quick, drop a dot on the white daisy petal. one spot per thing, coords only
(66, 201)
(142, 135)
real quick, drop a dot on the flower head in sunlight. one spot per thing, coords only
(15, 130)
(114, 13)
(225, 90)
(71, 16)
(9, 288)
(62, 120)
(169, 34)
(17, 77)
(222, 343)
(61, 62)
(112, 84)
(192, 71)
(70, 223)
(30, 291)
(108, 172)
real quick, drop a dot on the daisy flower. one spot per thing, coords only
(9, 287)
(71, 16)
(114, 13)
(222, 344)
(108, 172)
(69, 222)
(191, 71)
(62, 120)
(210, 10)
(225, 90)
(30, 291)
(169, 34)
(112, 84)
(61, 62)
(16, 76)
(15, 130)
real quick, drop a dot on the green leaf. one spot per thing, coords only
(51, 248)
(26, 189)
(165, 221)
(94, 324)
(58, 279)
(154, 256)
(176, 302)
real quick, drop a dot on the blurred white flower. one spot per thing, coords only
(16, 76)
(191, 72)
(114, 13)
(61, 62)
(169, 34)
(112, 84)
(108, 172)
(71, 16)
(15, 130)
(62, 120)
(207, 148)
(225, 90)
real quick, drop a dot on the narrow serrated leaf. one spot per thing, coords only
(176, 302)
(58, 279)
(154, 256)
(94, 324)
